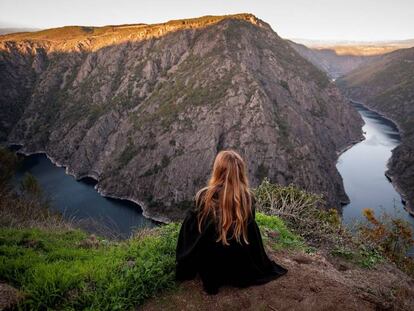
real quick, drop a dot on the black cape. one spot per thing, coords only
(237, 264)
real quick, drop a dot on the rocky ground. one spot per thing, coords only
(314, 282)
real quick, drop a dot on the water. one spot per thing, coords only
(79, 199)
(363, 167)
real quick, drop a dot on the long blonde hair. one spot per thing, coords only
(227, 197)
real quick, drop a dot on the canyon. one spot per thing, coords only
(387, 86)
(144, 109)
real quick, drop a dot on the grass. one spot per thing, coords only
(62, 270)
(56, 270)
(284, 238)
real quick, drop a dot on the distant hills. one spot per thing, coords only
(338, 58)
(10, 30)
(357, 48)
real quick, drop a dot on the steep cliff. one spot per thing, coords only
(145, 108)
(387, 86)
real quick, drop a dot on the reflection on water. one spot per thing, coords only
(79, 200)
(363, 166)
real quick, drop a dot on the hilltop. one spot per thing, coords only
(87, 38)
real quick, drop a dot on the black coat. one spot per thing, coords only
(237, 264)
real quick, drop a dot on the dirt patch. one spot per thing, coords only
(312, 283)
(9, 297)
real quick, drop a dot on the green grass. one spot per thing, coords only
(55, 270)
(285, 238)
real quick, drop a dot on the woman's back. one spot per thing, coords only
(223, 244)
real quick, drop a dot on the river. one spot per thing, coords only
(78, 200)
(363, 167)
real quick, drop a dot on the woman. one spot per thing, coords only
(220, 239)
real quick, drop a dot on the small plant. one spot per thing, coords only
(390, 236)
(362, 256)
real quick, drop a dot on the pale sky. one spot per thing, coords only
(356, 20)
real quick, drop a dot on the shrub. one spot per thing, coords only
(374, 240)
(300, 209)
(388, 235)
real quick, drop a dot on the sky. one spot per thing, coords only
(344, 20)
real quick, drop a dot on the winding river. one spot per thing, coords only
(363, 167)
(78, 200)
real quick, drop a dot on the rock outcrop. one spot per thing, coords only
(144, 109)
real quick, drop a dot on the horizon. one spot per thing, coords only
(320, 20)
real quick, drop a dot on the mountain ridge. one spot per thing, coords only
(90, 38)
(146, 118)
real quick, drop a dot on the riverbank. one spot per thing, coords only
(79, 200)
(364, 168)
(102, 191)
(408, 206)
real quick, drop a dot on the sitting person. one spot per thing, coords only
(219, 239)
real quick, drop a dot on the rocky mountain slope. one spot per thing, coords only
(145, 108)
(387, 86)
